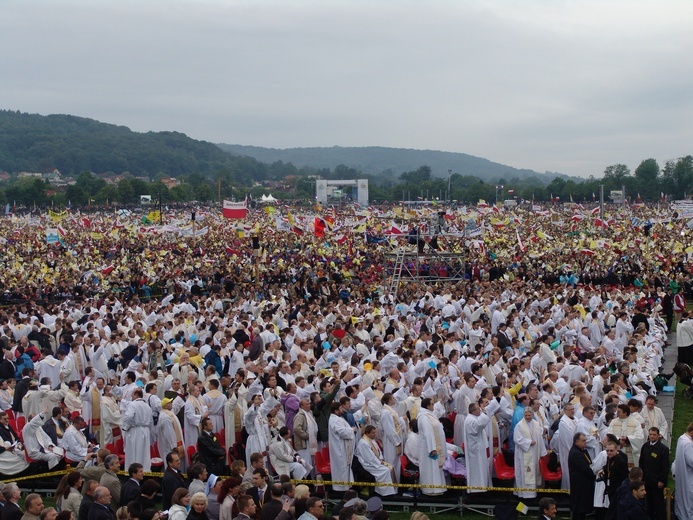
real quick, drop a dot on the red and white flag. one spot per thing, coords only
(235, 209)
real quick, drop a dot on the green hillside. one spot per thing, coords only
(377, 159)
(36, 143)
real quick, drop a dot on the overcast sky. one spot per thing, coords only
(567, 86)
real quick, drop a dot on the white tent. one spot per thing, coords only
(268, 199)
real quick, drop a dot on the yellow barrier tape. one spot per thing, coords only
(667, 491)
(428, 486)
(40, 475)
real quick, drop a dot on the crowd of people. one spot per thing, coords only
(264, 348)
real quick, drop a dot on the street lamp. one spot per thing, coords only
(499, 189)
(449, 175)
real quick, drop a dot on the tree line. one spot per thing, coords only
(79, 146)
(286, 182)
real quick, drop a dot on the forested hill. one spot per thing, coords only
(377, 159)
(36, 143)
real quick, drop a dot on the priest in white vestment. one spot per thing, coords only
(564, 440)
(137, 421)
(461, 400)
(110, 418)
(341, 446)
(195, 411)
(432, 449)
(215, 402)
(478, 451)
(39, 445)
(683, 474)
(586, 426)
(230, 406)
(529, 447)
(74, 442)
(630, 434)
(371, 458)
(254, 422)
(392, 430)
(654, 416)
(169, 431)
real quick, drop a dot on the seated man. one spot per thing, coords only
(371, 458)
(75, 443)
(284, 458)
(38, 444)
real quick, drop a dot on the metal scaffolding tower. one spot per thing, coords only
(410, 264)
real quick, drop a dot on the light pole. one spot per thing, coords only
(449, 175)
(161, 213)
(499, 189)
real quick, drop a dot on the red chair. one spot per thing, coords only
(503, 471)
(120, 447)
(550, 477)
(10, 414)
(322, 462)
(21, 422)
(221, 437)
(157, 461)
(113, 449)
(73, 415)
(407, 475)
(29, 459)
(191, 452)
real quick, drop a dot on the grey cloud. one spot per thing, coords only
(561, 86)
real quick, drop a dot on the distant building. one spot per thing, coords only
(170, 182)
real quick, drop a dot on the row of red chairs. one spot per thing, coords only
(503, 471)
(507, 473)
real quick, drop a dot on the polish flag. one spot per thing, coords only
(235, 209)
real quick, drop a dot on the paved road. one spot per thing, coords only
(666, 401)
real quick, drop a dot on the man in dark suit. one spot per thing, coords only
(212, 455)
(260, 490)
(654, 462)
(581, 478)
(21, 389)
(615, 471)
(547, 509)
(503, 337)
(246, 507)
(11, 510)
(130, 491)
(274, 508)
(99, 509)
(56, 425)
(632, 506)
(7, 366)
(172, 479)
(7, 433)
(88, 487)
